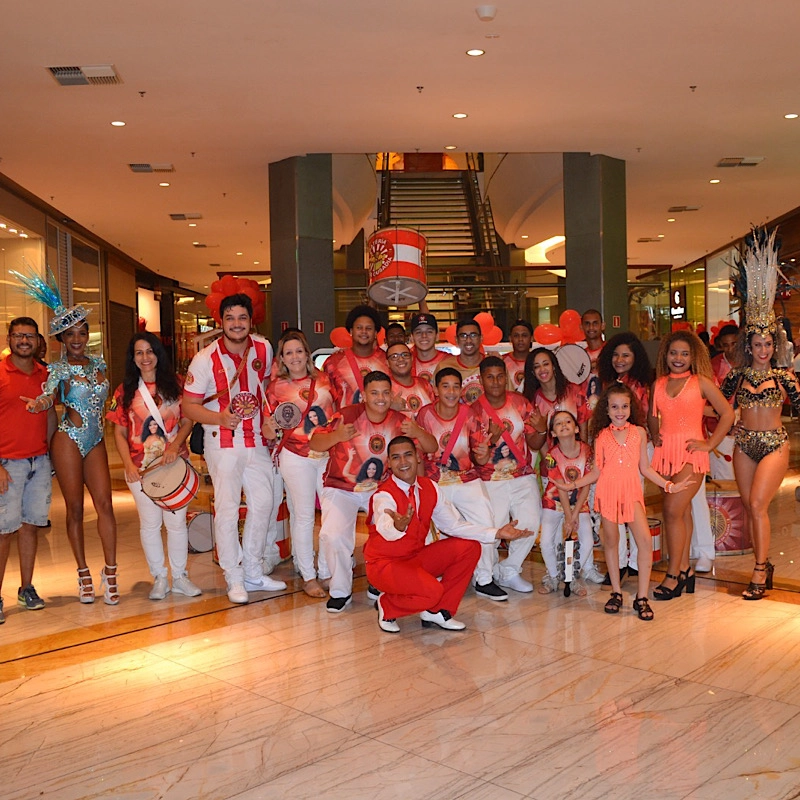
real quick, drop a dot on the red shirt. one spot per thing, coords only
(417, 395)
(344, 381)
(562, 468)
(516, 372)
(358, 464)
(426, 369)
(460, 468)
(471, 386)
(22, 435)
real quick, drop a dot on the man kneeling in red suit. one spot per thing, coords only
(401, 565)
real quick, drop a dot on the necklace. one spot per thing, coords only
(679, 376)
(755, 377)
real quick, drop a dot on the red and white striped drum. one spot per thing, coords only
(731, 537)
(171, 486)
(397, 266)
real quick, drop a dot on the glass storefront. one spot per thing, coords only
(21, 250)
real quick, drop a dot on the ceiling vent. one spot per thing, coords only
(679, 209)
(648, 239)
(187, 215)
(148, 168)
(95, 75)
(740, 161)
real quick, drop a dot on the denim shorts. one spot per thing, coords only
(29, 493)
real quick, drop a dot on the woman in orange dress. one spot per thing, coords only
(620, 456)
(684, 383)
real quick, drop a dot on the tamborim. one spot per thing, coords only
(397, 266)
(287, 416)
(170, 486)
(244, 405)
(574, 362)
(201, 531)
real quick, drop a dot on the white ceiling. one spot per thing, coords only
(222, 89)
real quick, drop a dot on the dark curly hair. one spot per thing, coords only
(532, 384)
(166, 381)
(600, 418)
(642, 369)
(362, 311)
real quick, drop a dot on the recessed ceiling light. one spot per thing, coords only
(3, 225)
(192, 224)
(660, 235)
(460, 115)
(671, 219)
(25, 236)
(164, 183)
(12, 230)
(524, 236)
(790, 116)
(118, 123)
(714, 180)
(256, 263)
(449, 147)
(239, 253)
(195, 243)
(476, 51)
(492, 36)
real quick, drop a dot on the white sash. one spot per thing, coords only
(153, 409)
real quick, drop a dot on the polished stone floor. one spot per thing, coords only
(543, 696)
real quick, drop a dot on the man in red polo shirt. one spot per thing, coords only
(25, 471)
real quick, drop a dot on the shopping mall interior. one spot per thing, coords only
(140, 154)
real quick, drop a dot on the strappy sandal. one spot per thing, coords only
(756, 591)
(109, 585)
(85, 586)
(614, 603)
(662, 592)
(642, 608)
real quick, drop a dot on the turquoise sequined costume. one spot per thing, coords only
(86, 396)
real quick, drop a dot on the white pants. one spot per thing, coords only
(272, 552)
(702, 535)
(552, 534)
(231, 470)
(472, 502)
(337, 536)
(515, 499)
(151, 517)
(721, 468)
(303, 480)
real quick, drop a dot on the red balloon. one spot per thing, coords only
(381, 337)
(569, 336)
(574, 332)
(569, 319)
(450, 334)
(216, 286)
(341, 338)
(700, 327)
(486, 322)
(229, 285)
(547, 333)
(494, 336)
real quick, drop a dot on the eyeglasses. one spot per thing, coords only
(399, 357)
(469, 336)
(18, 337)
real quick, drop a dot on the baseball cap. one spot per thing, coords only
(423, 319)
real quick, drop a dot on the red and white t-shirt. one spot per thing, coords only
(562, 468)
(427, 369)
(515, 417)
(573, 401)
(415, 396)
(460, 467)
(320, 410)
(212, 370)
(359, 464)
(344, 380)
(591, 386)
(516, 372)
(146, 439)
(471, 386)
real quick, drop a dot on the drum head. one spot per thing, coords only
(159, 480)
(244, 405)
(288, 416)
(397, 291)
(575, 363)
(200, 528)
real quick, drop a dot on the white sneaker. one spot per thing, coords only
(388, 625)
(441, 619)
(515, 582)
(704, 564)
(160, 588)
(182, 585)
(593, 575)
(264, 584)
(237, 593)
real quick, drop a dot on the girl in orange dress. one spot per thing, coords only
(683, 384)
(620, 454)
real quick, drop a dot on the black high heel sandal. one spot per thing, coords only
(756, 591)
(688, 580)
(662, 592)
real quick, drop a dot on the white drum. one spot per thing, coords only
(575, 363)
(397, 274)
(201, 531)
(171, 486)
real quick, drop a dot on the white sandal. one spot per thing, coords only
(85, 590)
(109, 585)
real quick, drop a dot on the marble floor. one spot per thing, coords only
(543, 696)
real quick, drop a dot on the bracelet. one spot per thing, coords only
(48, 403)
(668, 487)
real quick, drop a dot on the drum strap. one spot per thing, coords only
(305, 414)
(463, 413)
(153, 409)
(506, 435)
(351, 360)
(239, 370)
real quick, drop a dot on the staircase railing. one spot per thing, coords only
(487, 239)
(385, 199)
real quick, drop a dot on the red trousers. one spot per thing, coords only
(410, 585)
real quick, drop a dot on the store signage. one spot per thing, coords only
(319, 327)
(677, 305)
(616, 321)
